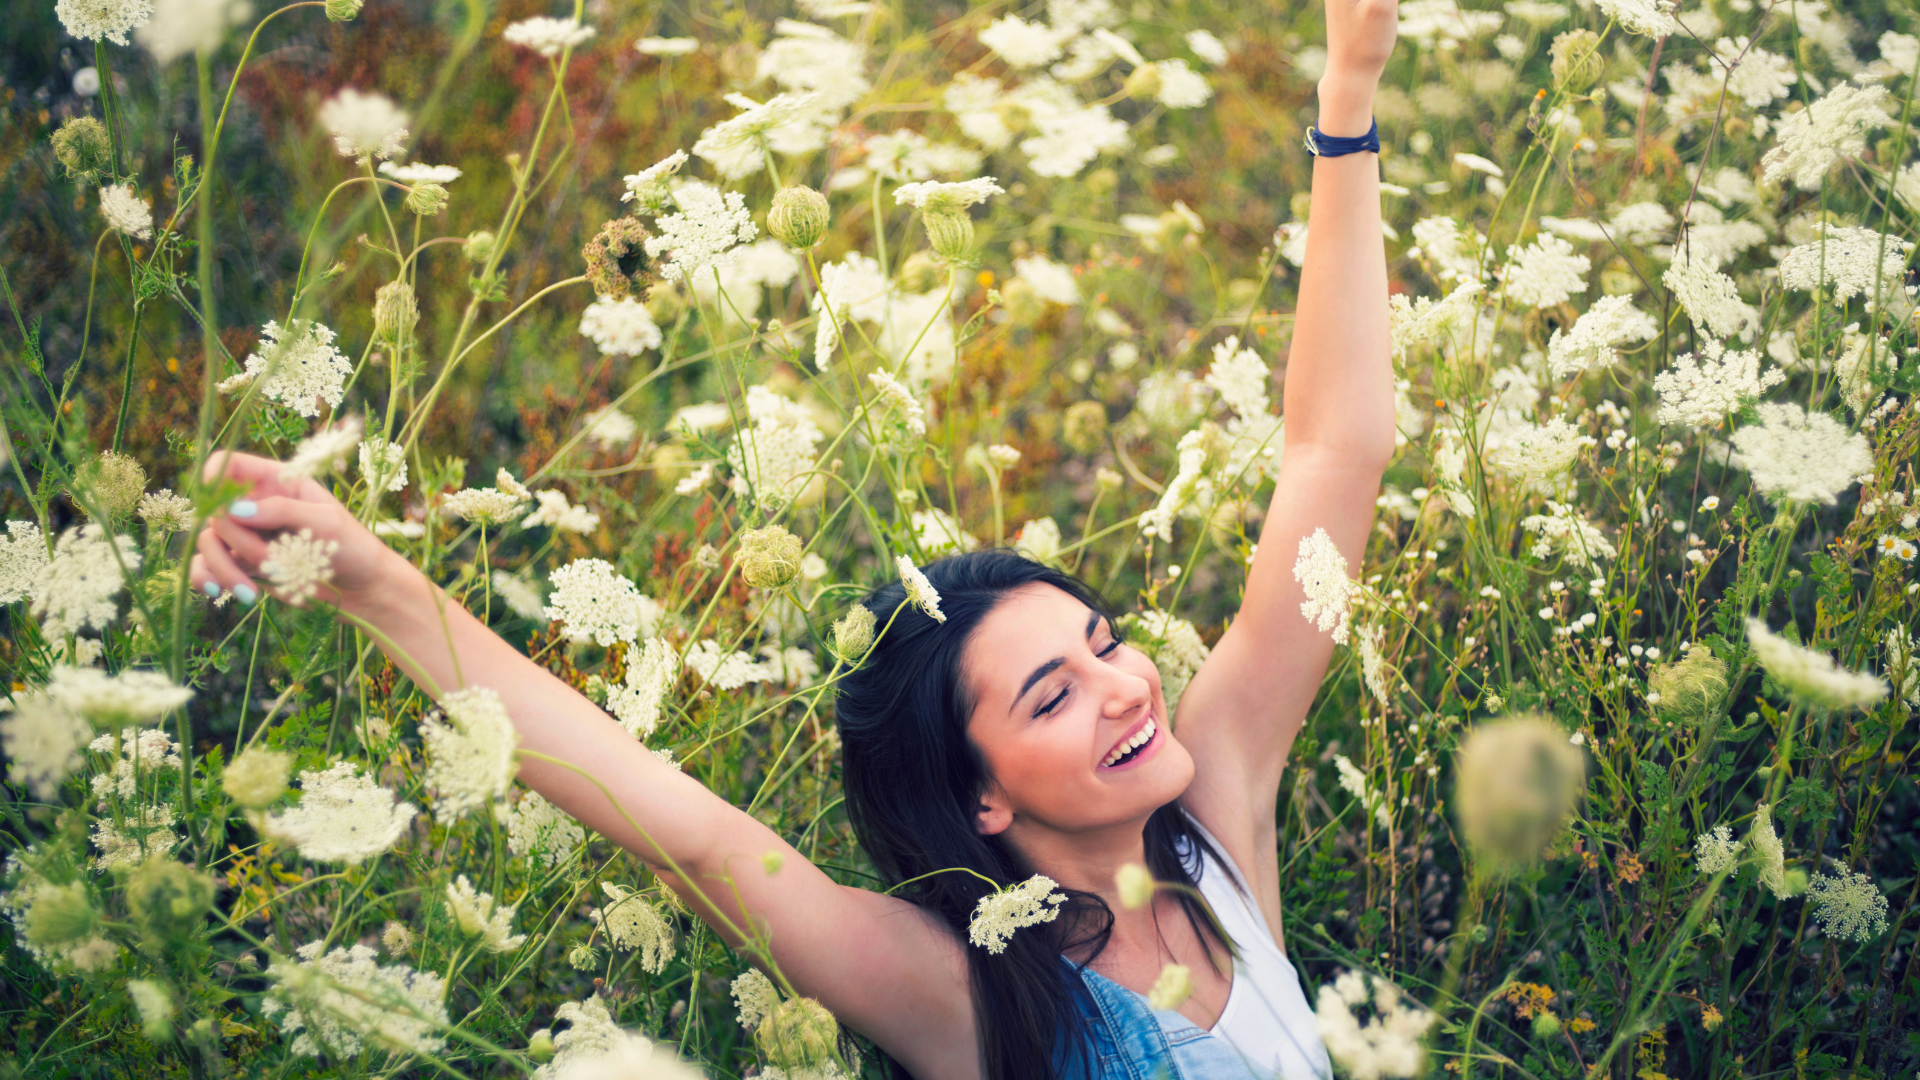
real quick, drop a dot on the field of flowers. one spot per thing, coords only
(539, 294)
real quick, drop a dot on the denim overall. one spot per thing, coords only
(1129, 1042)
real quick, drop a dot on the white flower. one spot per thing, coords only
(1654, 18)
(632, 923)
(920, 591)
(1176, 649)
(23, 560)
(1799, 456)
(658, 46)
(547, 35)
(719, 669)
(594, 603)
(1038, 540)
(340, 1002)
(479, 916)
(1207, 47)
(1537, 451)
(162, 510)
(773, 459)
(608, 428)
(76, 590)
(1704, 389)
(651, 674)
(1374, 670)
(496, 505)
(1070, 137)
(1851, 261)
(1000, 913)
(298, 565)
(1760, 77)
(803, 56)
(1387, 1045)
(1711, 298)
(1051, 281)
(342, 816)
(1241, 378)
(649, 185)
(737, 147)
(417, 173)
(1355, 783)
(1716, 852)
(695, 481)
(1810, 141)
(1190, 484)
(1810, 675)
(322, 452)
(141, 833)
(1181, 87)
(934, 197)
(470, 759)
(1848, 906)
(180, 27)
(1023, 44)
(755, 996)
(1563, 527)
(1645, 222)
(1479, 164)
(42, 741)
(705, 231)
(537, 828)
(300, 365)
(364, 126)
(892, 394)
(904, 154)
(1322, 573)
(554, 510)
(1545, 272)
(1422, 320)
(1591, 340)
(1768, 853)
(91, 20)
(383, 464)
(621, 327)
(125, 211)
(1903, 664)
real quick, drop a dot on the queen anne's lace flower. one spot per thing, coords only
(383, 464)
(649, 185)
(470, 758)
(364, 126)
(650, 677)
(608, 428)
(1023, 44)
(1850, 261)
(538, 829)
(420, 173)
(130, 697)
(479, 916)
(1704, 389)
(496, 505)
(23, 560)
(632, 923)
(1812, 140)
(1050, 280)
(1810, 675)
(1537, 451)
(1591, 340)
(1241, 378)
(181, 27)
(1181, 87)
(1422, 320)
(1190, 484)
(1798, 456)
(300, 366)
(1716, 852)
(134, 752)
(621, 327)
(773, 459)
(1654, 18)
(1769, 854)
(1207, 47)
(1387, 1045)
(125, 211)
(892, 394)
(139, 834)
(342, 816)
(704, 233)
(1000, 913)
(1545, 272)
(297, 564)
(920, 591)
(594, 603)
(322, 452)
(755, 997)
(1455, 255)
(737, 147)
(1848, 906)
(1322, 573)
(720, 669)
(555, 511)
(42, 741)
(163, 511)
(91, 20)
(933, 197)
(1565, 529)
(547, 35)
(340, 1002)
(78, 586)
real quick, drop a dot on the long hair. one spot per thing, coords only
(913, 781)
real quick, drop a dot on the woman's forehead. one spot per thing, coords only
(1029, 626)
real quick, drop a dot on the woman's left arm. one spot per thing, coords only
(1240, 714)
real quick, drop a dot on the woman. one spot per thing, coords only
(1017, 737)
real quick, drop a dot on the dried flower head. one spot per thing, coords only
(1516, 781)
(769, 558)
(83, 148)
(799, 1034)
(853, 634)
(109, 483)
(1577, 62)
(619, 263)
(1769, 855)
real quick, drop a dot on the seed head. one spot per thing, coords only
(950, 235)
(397, 939)
(769, 558)
(853, 634)
(83, 147)
(1516, 781)
(798, 1034)
(395, 311)
(344, 10)
(1692, 689)
(617, 262)
(427, 199)
(799, 217)
(256, 778)
(1576, 61)
(480, 244)
(112, 483)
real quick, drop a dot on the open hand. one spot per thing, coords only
(232, 546)
(1360, 36)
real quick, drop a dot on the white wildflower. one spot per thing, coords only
(1565, 529)
(1810, 675)
(1653, 18)
(1207, 47)
(1704, 389)
(554, 510)
(649, 186)
(621, 327)
(1016, 907)
(130, 697)
(1545, 272)
(300, 366)
(342, 816)
(704, 233)
(420, 172)
(594, 603)
(1422, 319)
(364, 126)
(755, 996)
(383, 464)
(1903, 664)
(76, 589)
(1038, 540)
(1355, 783)
(651, 675)
(139, 834)
(773, 459)
(538, 829)
(470, 758)
(1374, 670)
(1852, 262)
(1240, 377)
(659, 46)
(180, 27)
(1190, 484)
(546, 35)
(340, 1002)
(1761, 77)
(1023, 44)
(322, 452)
(1322, 573)
(1798, 456)
(23, 560)
(125, 211)
(1769, 854)
(920, 591)
(479, 916)
(1455, 256)
(1716, 852)
(135, 752)
(496, 505)
(1175, 647)
(1537, 451)
(1810, 141)
(934, 197)
(892, 394)
(1387, 1045)
(42, 741)
(1593, 338)
(297, 565)
(1848, 906)
(1181, 87)
(1051, 281)
(1645, 222)
(632, 923)
(1711, 298)
(91, 20)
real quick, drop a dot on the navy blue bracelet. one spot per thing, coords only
(1320, 144)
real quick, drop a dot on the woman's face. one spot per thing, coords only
(1071, 722)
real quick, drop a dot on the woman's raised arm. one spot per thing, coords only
(882, 965)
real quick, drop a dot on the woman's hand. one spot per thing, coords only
(232, 547)
(1360, 36)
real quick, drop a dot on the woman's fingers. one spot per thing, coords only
(220, 571)
(278, 513)
(246, 547)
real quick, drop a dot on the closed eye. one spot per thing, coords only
(1109, 650)
(1049, 706)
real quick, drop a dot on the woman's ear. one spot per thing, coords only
(993, 813)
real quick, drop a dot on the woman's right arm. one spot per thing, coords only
(882, 965)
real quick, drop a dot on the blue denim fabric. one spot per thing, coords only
(1132, 1042)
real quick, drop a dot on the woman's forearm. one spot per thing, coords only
(1339, 381)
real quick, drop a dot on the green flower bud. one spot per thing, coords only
(1796, 882)
(950, 235)
(1545, 1025)
(395, 311)
(156, 1007)
(1084, 426)
(256, 777)
(1576, 61)
(798, 1034)
(798, 218)
(110, 484)
(83, 147)
(397, 939)
(168, 898)
(1516, 781)
(617, 262)
(769, 558)
(344, 10)
(1135, 882)
(479, 247)
(853, 634)
(59, 914)
(1144, 82)
(427, 199)
(540, 1047)
(921, 273)
(582, 957)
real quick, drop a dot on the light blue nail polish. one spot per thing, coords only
(245, 594)
(211, 588)
(243, 508)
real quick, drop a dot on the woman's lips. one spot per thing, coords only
(1142, 739)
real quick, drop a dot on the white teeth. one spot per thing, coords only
(1140, 738)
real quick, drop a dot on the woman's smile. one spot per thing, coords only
(1135, 747)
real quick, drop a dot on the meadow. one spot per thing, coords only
(1613, 775)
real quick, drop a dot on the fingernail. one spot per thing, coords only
(245, 594)
(243, 508)
(211, 588)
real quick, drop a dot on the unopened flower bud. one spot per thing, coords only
(1144, 82)
(427, 199)
(772, 861)
(1576, 61)
(156, 1007)
(798, 1034)
(1107, 478)
(950, 235)
(1083, 426)
(168, 898)
(1516, 782)
(255, 778)
(921, 273)
(1545, 1025)
(1002, 457)
(479, 246)
(344, 10)
(799, 217)
(853, 634)
(395, 311)
(540, 1047)
(1136, 885)
(110, 484)
(769, 558)
(1691, 690)
(582, 957)
(83, 147)
(59, 914)
(397, 939)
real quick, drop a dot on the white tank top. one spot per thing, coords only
(1267, 1019)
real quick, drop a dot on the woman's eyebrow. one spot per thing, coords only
(1041, 672)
